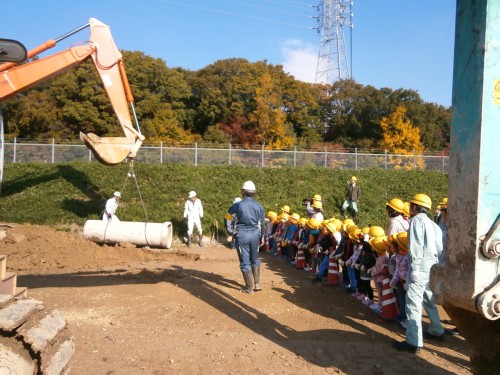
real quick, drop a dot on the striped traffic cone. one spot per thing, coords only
(333, 272)
(301, 258)
(266, 244)
(389, 305)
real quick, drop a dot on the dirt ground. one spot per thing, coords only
(180, 311)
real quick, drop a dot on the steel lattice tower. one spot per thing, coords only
(334, 16)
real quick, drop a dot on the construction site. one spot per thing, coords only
(180, 311)
(120, 297)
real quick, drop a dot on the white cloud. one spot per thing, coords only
(300, 59)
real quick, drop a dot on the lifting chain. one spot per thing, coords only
(131, 174)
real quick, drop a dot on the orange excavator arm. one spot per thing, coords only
(109, 64)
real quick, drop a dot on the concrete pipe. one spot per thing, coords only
(137, 233)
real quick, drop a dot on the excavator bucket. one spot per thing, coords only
(111, 150)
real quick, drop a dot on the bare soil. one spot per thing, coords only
(179, 311)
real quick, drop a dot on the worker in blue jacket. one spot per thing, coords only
(249, 236)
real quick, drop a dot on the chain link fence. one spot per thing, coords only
(51, 152)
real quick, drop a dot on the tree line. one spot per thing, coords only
(231, 101)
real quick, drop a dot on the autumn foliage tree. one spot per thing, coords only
(269, 118)
(400, 137)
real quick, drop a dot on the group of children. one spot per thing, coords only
(364, 256)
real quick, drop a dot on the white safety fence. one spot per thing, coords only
(19, 152)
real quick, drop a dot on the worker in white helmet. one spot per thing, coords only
(250, 227)
(193, 212)
(111, 207)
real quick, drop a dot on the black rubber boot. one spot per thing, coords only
(248, 288)
(200, 237)
(190, 241)
(256, 277)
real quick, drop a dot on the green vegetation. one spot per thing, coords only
(61, 194)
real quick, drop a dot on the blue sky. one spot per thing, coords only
(396, 43)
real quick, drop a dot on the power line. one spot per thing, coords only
(213, 10)
(289, 3)
(267, 8)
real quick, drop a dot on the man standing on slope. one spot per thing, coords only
(353, 194)
(249, 236)
(193, 212)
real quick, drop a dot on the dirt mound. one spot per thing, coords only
(35, 249)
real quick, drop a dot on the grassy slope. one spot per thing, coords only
(60, 194)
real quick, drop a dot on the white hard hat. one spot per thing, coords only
(236, 200)
(249, 186)
(192, 194)
(117, 194)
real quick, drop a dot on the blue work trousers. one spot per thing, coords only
(247, 246)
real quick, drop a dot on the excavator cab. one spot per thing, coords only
(107, 59)
(12, 51)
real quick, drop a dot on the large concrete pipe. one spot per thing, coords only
(137, 233)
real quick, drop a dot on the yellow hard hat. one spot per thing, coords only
(332, 228)
(365, 230)
(406, 210)
(286, 209)
(422, 200)
(444, 203)
(295, 216)
(402, 241)
(396, 204)
(303, 221)
(323, 223)
(350, 227)
(338, 224)
(354, 234)
(317, 197)
(378, 245)
(347, 222)
(354, 178)
(317, 204)
(376, 231)
(313, 223)
(387, 240)
(283, 216)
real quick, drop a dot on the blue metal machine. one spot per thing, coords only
(467, 285)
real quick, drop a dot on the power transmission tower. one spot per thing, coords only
(334, 16)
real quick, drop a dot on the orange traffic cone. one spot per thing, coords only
(389, 305)
(300, 259)
(266, 244)
(333, 272)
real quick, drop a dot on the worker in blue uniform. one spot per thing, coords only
(249, 236)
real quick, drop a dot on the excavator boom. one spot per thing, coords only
(109, 64)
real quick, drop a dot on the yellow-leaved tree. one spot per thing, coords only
(402, 141)
(269, 118)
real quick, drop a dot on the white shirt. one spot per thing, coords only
(192, 209)
(111, 206)
(396, 225)
(319, 216)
